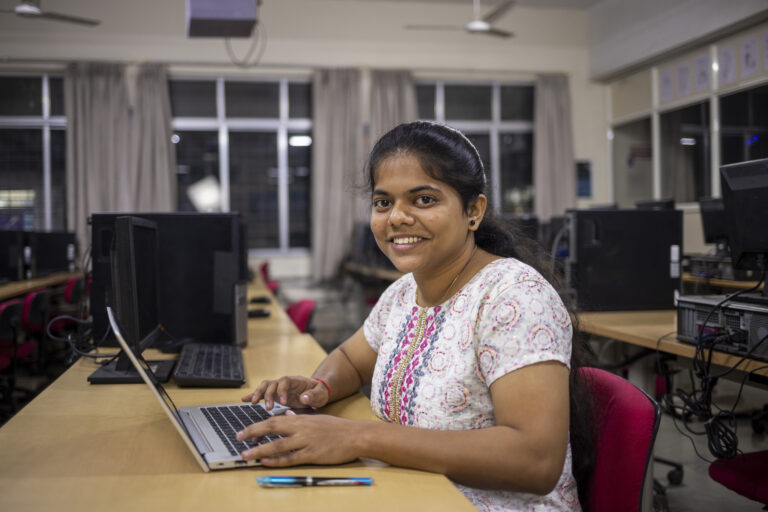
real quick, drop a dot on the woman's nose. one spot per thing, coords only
(399, 216)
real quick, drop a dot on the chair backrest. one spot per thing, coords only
(10, 319)
(74, 290)
(627, 423)
(264, 270)
(301, 312)
(35, 311)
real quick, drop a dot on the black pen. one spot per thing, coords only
(310, 481)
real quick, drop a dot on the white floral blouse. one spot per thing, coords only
(435, 365)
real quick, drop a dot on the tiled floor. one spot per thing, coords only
(340, 311)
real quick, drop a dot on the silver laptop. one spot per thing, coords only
(208, 431)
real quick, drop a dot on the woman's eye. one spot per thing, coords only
(380, 203)
(425, 200)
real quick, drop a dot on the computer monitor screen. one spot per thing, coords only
(744, 188)
(134, 298)
(713, 220)
(134, 280)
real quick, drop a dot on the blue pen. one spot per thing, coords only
(310, 481)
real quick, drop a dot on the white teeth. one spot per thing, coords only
(407, 240)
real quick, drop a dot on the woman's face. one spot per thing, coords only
(418, 221)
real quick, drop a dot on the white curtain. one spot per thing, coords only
(393, 101)
(154, 187)
(118, 158)
(98, 129)
(337, 164)
(554, 173)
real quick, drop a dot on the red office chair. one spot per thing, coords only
(272, 285)
(745, 474)
(627, 423)
(301, 313)
(68, 303)
(34, 316)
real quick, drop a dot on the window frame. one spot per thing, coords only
(45, 122)
(493, 127)
(282, 126)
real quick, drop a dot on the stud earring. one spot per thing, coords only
(472, 222)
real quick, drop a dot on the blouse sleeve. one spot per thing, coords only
(375, 325)
(524, 323)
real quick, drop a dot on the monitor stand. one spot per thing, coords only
(117, 372)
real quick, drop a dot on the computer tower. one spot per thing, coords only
(624, 259)
(49, 252)
(202, 275)
(11, 255)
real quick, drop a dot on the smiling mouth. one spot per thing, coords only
(406, 240)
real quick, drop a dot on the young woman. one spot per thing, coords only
(468, 354)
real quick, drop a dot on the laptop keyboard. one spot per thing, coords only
(210, 365)
(229, 420)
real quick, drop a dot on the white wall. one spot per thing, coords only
(626, 33)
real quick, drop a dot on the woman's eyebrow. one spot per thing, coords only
(423, 188)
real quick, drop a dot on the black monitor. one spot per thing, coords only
(203, 261)
(656, 204)
(50, 252)
(134, 299)
(713, 221)
(744, 188)
(11, 255)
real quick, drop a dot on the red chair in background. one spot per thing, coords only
(745, 474)
(272, 285)
(34, 316)
(301, 313)
(627, 422)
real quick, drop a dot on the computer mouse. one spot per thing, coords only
(258, 313)
(260, 300)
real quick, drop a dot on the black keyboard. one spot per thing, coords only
(227, 421)
(210, 365)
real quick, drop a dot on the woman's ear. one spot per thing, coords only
(476, 211)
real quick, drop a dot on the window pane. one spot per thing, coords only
(632, 163)
(425, 99)
(744, 126)
(56, 90)
(468, 102)
(299, 172)
(21, 179)
(21, 96)
(516, 151)
(517, 102)
(59, 180)
(685, 153)
(197, 171)
(253, 178)
(300, 100)
(252, 99)
(193, 98)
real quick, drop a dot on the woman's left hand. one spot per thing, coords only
(307, 439)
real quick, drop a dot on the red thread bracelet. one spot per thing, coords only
(324, 384)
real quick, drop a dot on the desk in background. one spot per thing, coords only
(16, 288)
(84, 447)
(654, 330)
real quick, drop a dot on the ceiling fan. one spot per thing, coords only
(478, 25)
(31, 9)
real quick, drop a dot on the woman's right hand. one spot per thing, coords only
(293, 391)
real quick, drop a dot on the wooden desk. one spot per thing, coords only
(85, 447)
(653, 329)
(384, 274)
(16, 288)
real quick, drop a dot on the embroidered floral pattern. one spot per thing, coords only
(438, 376)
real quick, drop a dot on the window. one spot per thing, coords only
(498, 119)
(744, 126)
(32, 153)
(245, 145)
(632, 165)
(685, 153)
